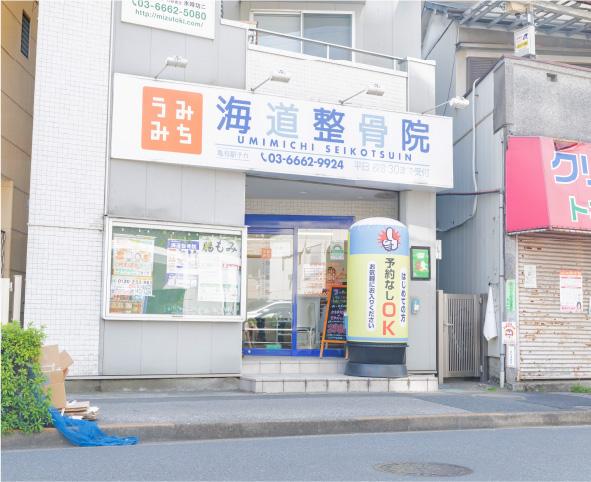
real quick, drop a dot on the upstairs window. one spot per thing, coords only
(25, 33)
(333, 28)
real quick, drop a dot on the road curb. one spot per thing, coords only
(171, 432)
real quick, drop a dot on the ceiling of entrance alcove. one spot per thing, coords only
(266, 188)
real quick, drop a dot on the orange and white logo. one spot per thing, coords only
(172, 120)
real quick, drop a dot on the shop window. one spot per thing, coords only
(325, 27)
(171, 271)
(25, 34)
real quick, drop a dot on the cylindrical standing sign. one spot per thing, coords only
(378, 272)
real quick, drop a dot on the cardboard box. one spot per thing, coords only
(52, 359)
(49, 356)
(54, 365)
(56, 388)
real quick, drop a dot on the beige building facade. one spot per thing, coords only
(19, 42)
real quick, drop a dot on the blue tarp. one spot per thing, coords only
(85, 433)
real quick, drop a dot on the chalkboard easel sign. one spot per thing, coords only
(334, 330)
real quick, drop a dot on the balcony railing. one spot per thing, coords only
(356, 55)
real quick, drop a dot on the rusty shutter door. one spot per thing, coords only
(553, 345)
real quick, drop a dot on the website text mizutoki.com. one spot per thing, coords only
(169, 12)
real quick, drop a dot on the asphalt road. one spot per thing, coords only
(501, 454)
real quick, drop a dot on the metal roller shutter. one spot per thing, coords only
(553, 345)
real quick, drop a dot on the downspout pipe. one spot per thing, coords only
(502, 267)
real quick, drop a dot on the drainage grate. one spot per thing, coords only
(424, 469)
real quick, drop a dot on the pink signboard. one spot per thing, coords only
(548, 185)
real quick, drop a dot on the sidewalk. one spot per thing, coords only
(167, 416)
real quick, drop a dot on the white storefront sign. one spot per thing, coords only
(191, 17)
(198, 125)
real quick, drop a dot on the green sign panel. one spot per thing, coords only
(510, 295)
(420, 259)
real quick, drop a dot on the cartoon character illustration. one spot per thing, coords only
(389, 239)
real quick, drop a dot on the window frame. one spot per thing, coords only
(26, 16)
(301, 13)
(111, 222)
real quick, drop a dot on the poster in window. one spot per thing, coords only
(133, 255)
(219, 269)
(313, 278)
(571, 291)
(133, 264)
(336, 251)
(131, 285)
(182, 263)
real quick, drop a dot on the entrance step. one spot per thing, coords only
(292, 365)
(334, 383)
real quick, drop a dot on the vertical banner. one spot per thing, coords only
(377, 281)
(510, 359)
(510, 295)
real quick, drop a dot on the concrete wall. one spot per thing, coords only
(537, 106)
(18, 83)
(65, 250)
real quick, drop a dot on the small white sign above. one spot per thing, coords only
(189, 17)
(509, 333)
(530, 278)
(524, 41)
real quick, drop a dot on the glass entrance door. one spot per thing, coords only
(270, 284)
(292, 262)
(321, 263)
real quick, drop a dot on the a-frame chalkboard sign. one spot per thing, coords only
(334, 330)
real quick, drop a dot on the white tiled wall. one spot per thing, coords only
(325, 81)
(63, 291)
(357, 208)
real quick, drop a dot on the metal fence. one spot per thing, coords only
(330, 50)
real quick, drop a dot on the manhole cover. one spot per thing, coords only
(424, 469)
